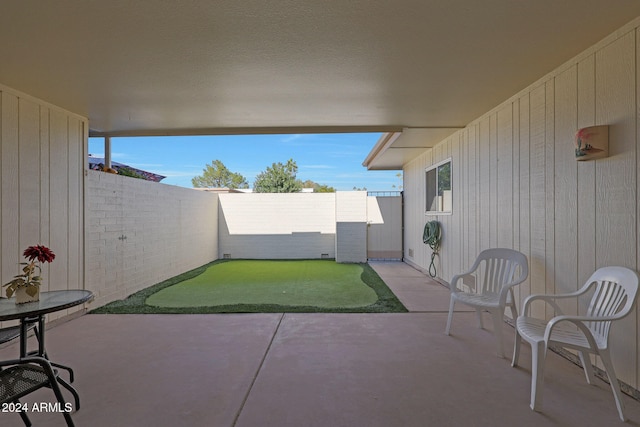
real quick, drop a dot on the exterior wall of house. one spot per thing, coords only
(516, 183)
(139, 233)
(41, 192)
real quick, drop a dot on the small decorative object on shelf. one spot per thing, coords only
(26, 286)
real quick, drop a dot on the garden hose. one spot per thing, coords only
(431, 236)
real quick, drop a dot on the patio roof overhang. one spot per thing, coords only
(203, 67)
(394, 149)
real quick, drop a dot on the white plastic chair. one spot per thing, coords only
(615, 291)
(500, 270)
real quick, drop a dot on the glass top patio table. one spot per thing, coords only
(49, 302)
(34, 312)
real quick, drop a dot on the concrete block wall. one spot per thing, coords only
(277, 226)
(294, 225)
(139, 233)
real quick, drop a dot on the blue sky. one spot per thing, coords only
(330, 159)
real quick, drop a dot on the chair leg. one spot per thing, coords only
(58, 393)
(451, 305)
(538, 355)
(516, 349)
(72, 390)
(613, 381)
(479, 315)
(586, 365)
(497, 331)
(512, 305)
(25, 418)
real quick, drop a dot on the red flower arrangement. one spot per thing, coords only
(41, 252)
(28, 279)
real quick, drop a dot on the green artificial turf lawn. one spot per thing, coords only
(310, 283)
(265, 286)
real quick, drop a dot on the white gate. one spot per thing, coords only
(384, 235)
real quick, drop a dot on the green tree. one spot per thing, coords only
(318, 188)
(278, 178)
(216, 175)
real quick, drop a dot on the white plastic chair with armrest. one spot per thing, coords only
(499, 270)
(615, 292)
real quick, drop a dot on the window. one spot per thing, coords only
(438, 188)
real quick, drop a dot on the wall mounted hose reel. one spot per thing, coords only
(432, 236)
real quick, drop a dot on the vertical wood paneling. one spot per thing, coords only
(586, 182)
(484, 168)
(11, 256)
(524, 192)
(637, 347)
(566, 191)
(443, 152)
(74, 217)
(59, 179)
(537, 261)
(45, 167)
(504, 177)
(586, 176)
(549, 176)
(464, 196)
(515, 173)
(615, 175)
(464, 213)
(616, 178)
(29, 163)
(456, 217)
(472, 207)
(34, 188)
(493, 180)
(636, 361)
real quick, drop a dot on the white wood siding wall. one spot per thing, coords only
(41, 191)
(516, 183)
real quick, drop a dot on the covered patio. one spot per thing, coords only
(489, 85)
(313, 370)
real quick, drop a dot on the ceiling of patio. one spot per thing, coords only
(290, 66)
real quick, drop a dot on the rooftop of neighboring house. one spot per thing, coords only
(97, 163)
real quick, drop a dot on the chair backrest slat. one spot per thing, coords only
(615, 293)
(500, 267)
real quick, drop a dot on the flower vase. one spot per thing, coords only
(23, 297)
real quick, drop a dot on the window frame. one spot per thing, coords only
(435, 167)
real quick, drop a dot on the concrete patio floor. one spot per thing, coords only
(281, 370)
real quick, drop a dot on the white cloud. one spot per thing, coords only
(290, 138)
